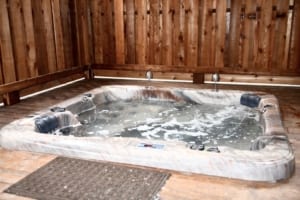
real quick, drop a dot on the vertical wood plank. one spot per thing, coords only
(234, 34)
(294, 58)
(265, 30)
(167, 32)
(105, 30)
(96, 7)
(77, 51)
(18, 38)
(207, 49)
(288, 37)
(83, 28)
(179, 33)
(58, 34)
(119, 31)
(108, 32)
(191, 47)
(154, 47)
(49, 35)
(200, 26)
(280, 35)
(30, 38)
(220, 33)
(272, 35)
(1, 72)
(8, 64)
(67, 33)
(248, 34)
(130, 32)
(40, 39)
(140, 24)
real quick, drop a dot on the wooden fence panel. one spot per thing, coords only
(7, 56)
(220, 33)
(69, 46)
(234, 45)
(108, 33)
(129, 32)
(207, 47)
(167, 32)
(294, 51)
(154, 34)
(1, 72)
(281, 19)
(18, 38)
(47, 20)
(248, 31)
(84, 31)
(191, 44)
(178, 32)
(58, 34)
(140, 32)
(30, 39)
(44, 40)
(265, 29)
(96, 10)
(119, 31)
(39, 37)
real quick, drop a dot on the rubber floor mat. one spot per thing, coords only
(68, 178)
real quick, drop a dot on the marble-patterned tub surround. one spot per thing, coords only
(271, 158)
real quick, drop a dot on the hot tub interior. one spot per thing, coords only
(236, 126)
(228, 129)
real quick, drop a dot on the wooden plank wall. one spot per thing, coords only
(242, 35)
(39, 37)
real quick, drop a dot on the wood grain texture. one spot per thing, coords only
(294, 52)
(207, 49)
(154, 34)
(265, 28)
(179, 36)
(220, 33)
(67, 29)
(130, 32)
(167, 32)
(234, 46)
(96, 7)
(84, 31)
(248, 36)
(58, 34)
(18, 39)
(119, 31)
(1, 73)
(248, 42)
(7, 55)
(191, 44)
(30, 39)
(140, 32)
(107, 27)
(47, 20)
(280, 35)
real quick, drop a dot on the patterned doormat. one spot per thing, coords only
(67, 178)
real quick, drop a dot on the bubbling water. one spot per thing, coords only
(210, 124)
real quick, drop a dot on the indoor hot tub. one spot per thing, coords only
(232, 134)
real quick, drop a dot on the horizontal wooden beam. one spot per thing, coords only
(260, 79)
(190, 69)
(20, 85)
(142, 74)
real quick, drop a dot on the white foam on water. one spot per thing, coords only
(211, 124)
